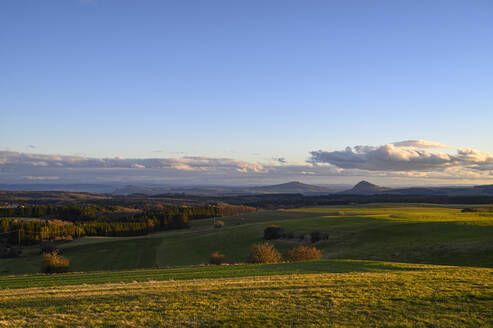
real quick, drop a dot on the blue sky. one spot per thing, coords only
(249, 80)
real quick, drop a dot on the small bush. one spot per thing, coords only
(219, 224)
(54, 263)
(318, 235)
(216, 258)
(48, 248)
(264, 253)
(274, 232)
(303, 253)
(64, 238)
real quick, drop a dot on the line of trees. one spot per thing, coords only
(53, 222)
(75, 212)
(23, 231)
(35, 223)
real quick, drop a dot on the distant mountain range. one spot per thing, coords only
(294, 187)
(367, 188)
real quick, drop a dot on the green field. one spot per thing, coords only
(383, 266)
(412, 233)
(327, 293)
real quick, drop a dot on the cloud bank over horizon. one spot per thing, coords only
(404, 162)
(403, 156)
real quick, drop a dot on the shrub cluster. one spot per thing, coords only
(318, 236)
(48, 247)
(267, 253)
(216, 258)
(274, 232)
(303, 253)
(475, 210)
(219, 224)
(264, 253)
(54, 263)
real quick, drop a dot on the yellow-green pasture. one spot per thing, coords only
(365, 294)
(412, 233)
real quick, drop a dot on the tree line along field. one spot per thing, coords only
(157, 279)
(31, 224)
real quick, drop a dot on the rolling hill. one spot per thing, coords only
(293, 187)
(367, 188)
(419, 234)
(161, 280)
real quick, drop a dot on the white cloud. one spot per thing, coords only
(400, 158)
(325, 167)
(13, 161)
(474, 157)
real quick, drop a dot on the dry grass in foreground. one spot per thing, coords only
(419, 296)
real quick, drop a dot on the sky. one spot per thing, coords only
(260, 91)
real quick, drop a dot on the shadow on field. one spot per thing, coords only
(205, 272)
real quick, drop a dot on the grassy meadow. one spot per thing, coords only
(402, 233)
(326, 293)
(386, 265)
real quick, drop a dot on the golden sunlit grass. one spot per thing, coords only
(332, 292)
(410, 213)
(394, 296)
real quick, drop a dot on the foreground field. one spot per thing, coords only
(125, 282)
(341, 294)
(404, 233)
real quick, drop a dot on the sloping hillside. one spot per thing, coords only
(419, 234)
